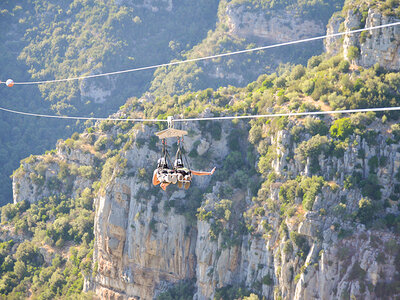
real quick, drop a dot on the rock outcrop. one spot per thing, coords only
(283, 26)
(139, 250)
(144, 244)
(379, 46)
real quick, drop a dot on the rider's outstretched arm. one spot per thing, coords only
(201, 173)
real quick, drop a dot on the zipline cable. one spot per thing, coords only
(76, 118)
(311, 113)
(205, 58)
(212, 56)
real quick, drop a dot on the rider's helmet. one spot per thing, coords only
(162, 163)
(178, 163)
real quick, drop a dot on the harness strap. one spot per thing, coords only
(165, 154)
(164, 149)
(179, 151)
(183, 154)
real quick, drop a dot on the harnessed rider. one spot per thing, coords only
(180, 174)
(163, 175)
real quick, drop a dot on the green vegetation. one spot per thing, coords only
(24, 270)
(243, 201)
(94, 36)
(311, 149)
(43, 40)
(353, 53)
(301, 242)
(341, 128)
(387, 7)
(311, 187)
(232, 292)
(181, 291)
(200, 75)
(366, 211)
(306, 9)
(304, 187)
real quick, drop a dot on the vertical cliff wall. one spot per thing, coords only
(302, 236)
(370, 47)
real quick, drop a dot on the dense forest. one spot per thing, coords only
(45, 40)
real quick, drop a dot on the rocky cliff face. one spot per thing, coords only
(315, 254)
(368, 48)
(154, 248)
(139, 250)
(145, 242)
(316, 221)
(244, 25)
(283, 26)
(38, 177)
(341, 258)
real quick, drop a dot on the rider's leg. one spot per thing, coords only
(155, 178)
(164, 185)
(187, 185)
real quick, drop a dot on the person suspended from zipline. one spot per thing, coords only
(178, 174)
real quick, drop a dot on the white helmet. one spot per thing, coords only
(161, 162)
(178, 162)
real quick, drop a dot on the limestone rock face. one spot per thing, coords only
(71, 155)
(375, 46)
(139, 251)
(24, 189)
(144, 243)
(39, 177)
(339, 268)
(91, 91)
(332, 44)
(381, 48)
(282, 27)
(219, 266)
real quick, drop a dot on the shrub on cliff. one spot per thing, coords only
(312, 148)
(353, 52)
(87, 172)
(341, 128)
(366, 210)
(311, 186)
(315, 126)
(301, 242)
(370, 187)
(181, 291)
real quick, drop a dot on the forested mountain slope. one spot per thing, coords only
(248, 24)
(323, 204)
(45, 40)
(298, 208)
